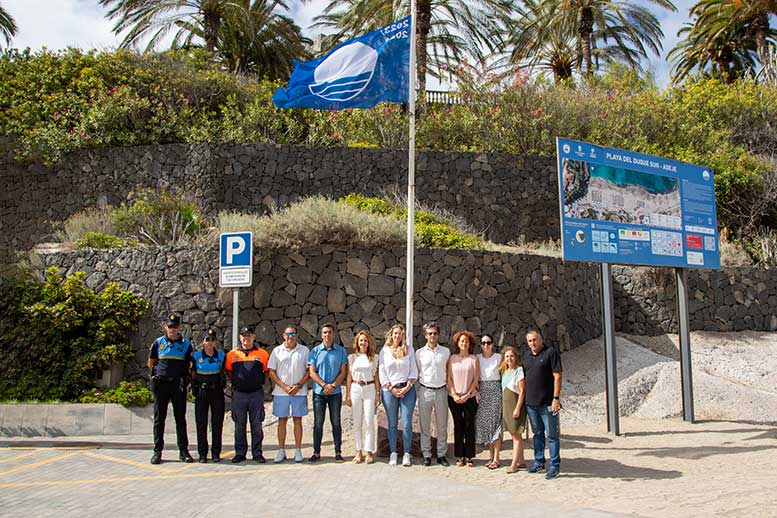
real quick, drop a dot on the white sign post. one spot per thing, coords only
(236, 266)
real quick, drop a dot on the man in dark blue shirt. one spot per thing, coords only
(170, 359)
(542, 371)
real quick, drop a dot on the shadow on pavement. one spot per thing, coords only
(590, 468)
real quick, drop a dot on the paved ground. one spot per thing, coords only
(658, 468)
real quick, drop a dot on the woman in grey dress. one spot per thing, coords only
(488, 421)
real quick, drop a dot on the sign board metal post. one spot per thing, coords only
(610, 362)
(236, 260)
(684, 330)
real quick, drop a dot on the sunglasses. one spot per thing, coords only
(290, 334)
(486, 343)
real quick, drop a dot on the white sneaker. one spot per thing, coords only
(406, 460)
(298, 455)
(281, 456)
(393, 459)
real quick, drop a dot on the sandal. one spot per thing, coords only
(369, 459)
(470, 463)
(512, 470)
(358, 459)
(460, 462)
(492, 465)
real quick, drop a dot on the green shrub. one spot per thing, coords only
(128, 393)
(59, 333)
(315, 221)
(91, 220)
(432, 231)
(103, 241)
(158, 217)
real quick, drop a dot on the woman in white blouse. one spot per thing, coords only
(488, 420)
(361, 394)
(513, 409)
(398, 371)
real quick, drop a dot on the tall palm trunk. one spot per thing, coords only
(586, 29)
(760, 28)
(212, 16)
(423, 27)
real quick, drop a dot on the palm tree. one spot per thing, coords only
(7, 25)
(724, 54)
(632, 29)
(245, 35)
(156, 18)
(727, 15)
(447, 31)
(257, 39)
(545, 48)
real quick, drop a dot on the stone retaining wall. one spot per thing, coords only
(507, 197)
(498, 293)
(730, 299)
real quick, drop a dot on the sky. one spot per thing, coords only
(57, 24)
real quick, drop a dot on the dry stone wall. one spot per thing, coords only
(729, 299)
(507, 197)
(502, 294)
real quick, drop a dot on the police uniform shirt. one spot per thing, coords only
(173, 357)
(538, 372)
(208, 369)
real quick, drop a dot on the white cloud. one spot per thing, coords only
(57, 24)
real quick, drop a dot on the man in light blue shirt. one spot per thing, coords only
(328, 363)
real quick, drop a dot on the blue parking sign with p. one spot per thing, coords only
(236, 259)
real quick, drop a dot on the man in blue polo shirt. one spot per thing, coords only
(328, 363)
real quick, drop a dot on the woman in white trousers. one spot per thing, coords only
(361, 394)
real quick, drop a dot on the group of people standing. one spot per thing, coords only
(486, 394)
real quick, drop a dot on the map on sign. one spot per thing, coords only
(623, 207)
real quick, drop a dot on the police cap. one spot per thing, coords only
(172, 320)
(247, 329)
(209, 333)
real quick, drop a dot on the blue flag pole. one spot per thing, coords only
(410, 275)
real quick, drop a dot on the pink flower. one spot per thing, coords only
(72, 130)
(98, 393)
(56, 114)
(388, 110)
(83, 133)
(498, 106)
(185, 100)
(537, 112)
(336, 136)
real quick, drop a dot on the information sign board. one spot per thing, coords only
(624, 207)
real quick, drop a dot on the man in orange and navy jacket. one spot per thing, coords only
(246, 367)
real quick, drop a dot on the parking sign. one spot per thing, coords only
(236, 254)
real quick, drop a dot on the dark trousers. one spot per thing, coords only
(463, 427)
(248, 407)
(170, 392)
(209, 400)
(320, 403)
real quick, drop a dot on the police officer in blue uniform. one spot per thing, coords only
(170, 360)
(208, 389)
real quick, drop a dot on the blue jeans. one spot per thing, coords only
(393, 405)
(320, 403)
(543, 421)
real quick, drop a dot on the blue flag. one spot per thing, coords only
(359, 73)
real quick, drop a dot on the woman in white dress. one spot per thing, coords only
(361, 394)
(488, 420)
(513, 409)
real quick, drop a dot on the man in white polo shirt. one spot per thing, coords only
(288, 366)
(432, 362)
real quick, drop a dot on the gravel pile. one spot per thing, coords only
(734, 376)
